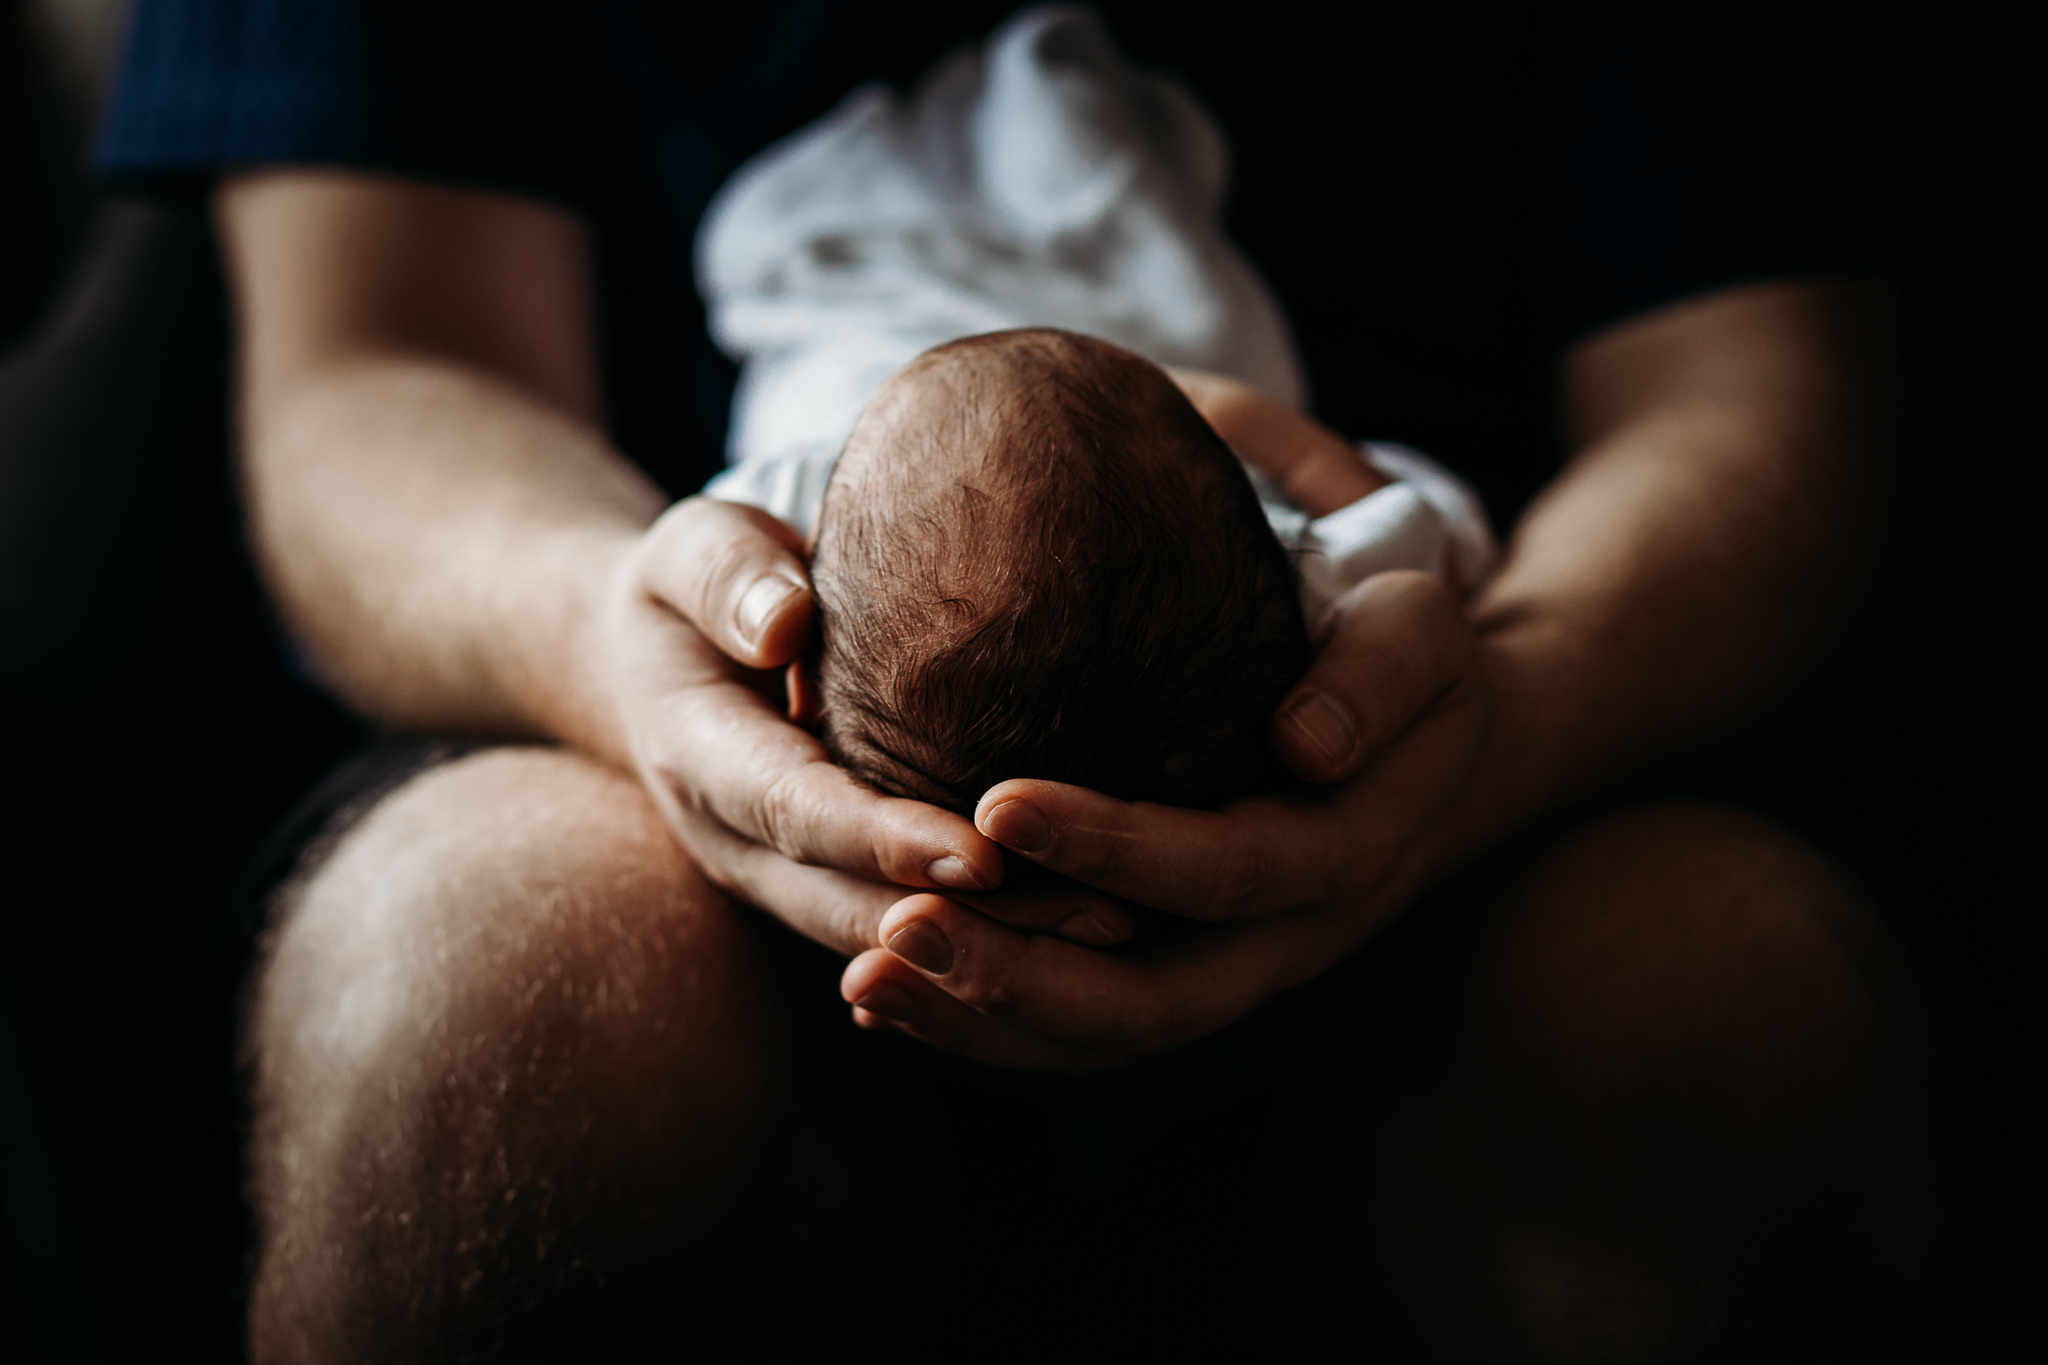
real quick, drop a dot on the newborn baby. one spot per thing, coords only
(1036, 559)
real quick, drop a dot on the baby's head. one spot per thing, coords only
(1035, 559)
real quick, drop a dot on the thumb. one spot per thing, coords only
(735, 573)
(1399, 642)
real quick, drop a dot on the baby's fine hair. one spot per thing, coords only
(1054, 569)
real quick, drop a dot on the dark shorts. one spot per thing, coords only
(299, 842)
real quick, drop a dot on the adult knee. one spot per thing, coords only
(1676, 1096)
(1696, 942)
(509, 1051)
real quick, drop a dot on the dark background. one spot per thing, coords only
(152, 735)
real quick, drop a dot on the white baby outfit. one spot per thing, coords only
(1039, 181)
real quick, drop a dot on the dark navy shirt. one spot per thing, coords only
(1442, 196)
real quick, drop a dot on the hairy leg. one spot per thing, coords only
(525, 1085)
(1671, 1095)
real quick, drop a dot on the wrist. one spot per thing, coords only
(569, 679)
(1531, 762)
(1563, 723)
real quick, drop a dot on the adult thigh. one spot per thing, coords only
(1665, 1092)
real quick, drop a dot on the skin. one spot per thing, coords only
(1702, 431)
(1720, 1058)
(1317, 469)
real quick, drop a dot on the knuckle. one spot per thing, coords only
(670, 540)
(986, 993)
(695, 518)
(896, 852)
(997, 1002)
(854, 928)
(665, 753)
(699, 559)
(1089, 857)
(724, 568)
(781, 814)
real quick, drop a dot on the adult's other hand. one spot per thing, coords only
(1691, 566)
(1393, 719)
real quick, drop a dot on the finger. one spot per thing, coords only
(1078, 914)
(723, 750)
(1124, 1004)
(705, 736)
(887, 995)
(1042, 985)
(1400, 642)
(841, 912)
(734, 572)
(1258, 856)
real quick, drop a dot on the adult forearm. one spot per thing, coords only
(441, 540)
(1708, 549)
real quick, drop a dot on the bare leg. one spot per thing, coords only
(1674, 1097)
(520, 1077)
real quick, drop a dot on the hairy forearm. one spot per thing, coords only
(428, 491)
(1708, 548)
(441, 539)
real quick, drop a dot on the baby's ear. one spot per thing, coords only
(803, 694)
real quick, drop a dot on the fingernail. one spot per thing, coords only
(1325, 725)
(889, 1000)
(763, 599)
(1019, 825)
(951, 871)
(1087, 929)
(921, 944)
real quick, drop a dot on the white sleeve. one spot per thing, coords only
(1427, 519)
(1470, 550)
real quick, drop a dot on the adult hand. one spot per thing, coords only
(1694, 562)
(1394, 720)
(705, 616)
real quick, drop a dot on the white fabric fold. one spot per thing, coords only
(1035, 181)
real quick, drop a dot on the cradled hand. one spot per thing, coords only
(1393, 722)
(703, 620)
